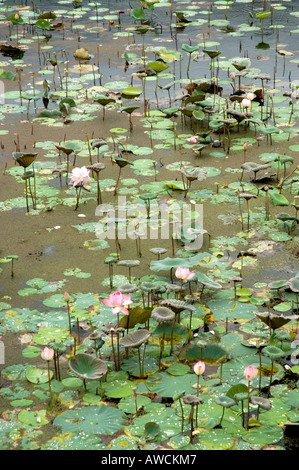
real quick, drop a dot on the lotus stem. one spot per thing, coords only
(26, 189)
(223, 410)
(116, 186)
(78, 331)
(113, 352)
(191, 421)
(248, 399)
(182, 414)
(171, 335)
(49, 379)
(270, 380)
(69, 317)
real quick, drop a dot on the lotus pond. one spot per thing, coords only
(126, 116)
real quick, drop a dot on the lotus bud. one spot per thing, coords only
(250, 373)
(199, 368)
(67, 296)
(47, 353)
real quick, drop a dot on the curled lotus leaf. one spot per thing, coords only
(127, 288)
(261, 402)
(274, 320)
(177, 305)
(163, 314)
(294, 283)
(225, 401)
(129, 263)
(192, 400)
(134, 339)
(87, 367)
(24, 159)
(273, 352)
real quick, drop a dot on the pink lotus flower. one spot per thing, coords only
(118, 301)
(199, 368)
(47, 354)
(245, 103)
(250, 96)
(184, 274)
(192, 139)
(250, 373)
(80, 176)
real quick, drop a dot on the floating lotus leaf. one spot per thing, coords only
(134, 339)
(38, 376)
(74, 441)
(151, 430)
(87, 367)
(99, 419)
(210, 353)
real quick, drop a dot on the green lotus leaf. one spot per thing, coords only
(278, 199)
(131, 92)
(100, 419)
(166, 385)
(32, 418)
(87, 367)
(151, 430)
(77, 440)
(158, 66)
(189, 49)
(38, 376)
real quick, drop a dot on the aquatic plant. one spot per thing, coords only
(47, 354)
(10, 258)
(249, 373)
(136, 339)
(199, 369)
(185, 275)
(118, 302)
(88, 367)
(79, 178)
(25, 160)
(274, 353)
